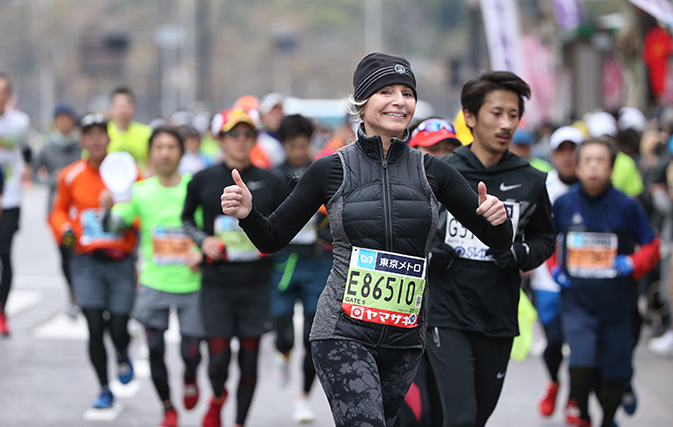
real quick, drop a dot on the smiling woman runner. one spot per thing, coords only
(368, 333)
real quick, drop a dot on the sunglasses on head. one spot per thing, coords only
(248, 133)
(433, 125)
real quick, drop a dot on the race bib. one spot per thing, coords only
(170, 246)
(590, 255)
(384, 287)
(236, 242)
(466, 244)
(92, 228)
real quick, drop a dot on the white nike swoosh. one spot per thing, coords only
(500, 375)
(504, 187)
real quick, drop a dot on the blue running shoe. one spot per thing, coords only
(629, 401)
(104, 401)
(125, 369)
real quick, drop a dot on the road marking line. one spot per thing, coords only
(20, 300)
(110, 414)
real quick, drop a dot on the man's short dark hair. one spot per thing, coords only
(4, 76)
(172, 132)
(295, 125)
(123, 90)
(600, 141)
(475, 90)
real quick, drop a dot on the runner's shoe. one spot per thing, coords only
(124, 369)
(72, 310)
(213, 416)
(283, 367)
(571, 412)
(663, 345)
(170, 418)
(4, 330)
(548, 402)
(629, 400)
(190, 393)
(582, 423)
(104, 401)
(302, 411)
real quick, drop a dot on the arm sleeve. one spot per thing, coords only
(188, 212)
(539, 234)
(275, 232)
(647, 255)
(455, 194)
(59, 218)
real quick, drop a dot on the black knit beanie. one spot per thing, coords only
(378, 70)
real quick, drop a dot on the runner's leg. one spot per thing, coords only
(248, 356)
(97, 354)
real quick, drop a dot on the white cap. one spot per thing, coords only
(269, 101)
(563, 134)
(632, 118)
(600, 124)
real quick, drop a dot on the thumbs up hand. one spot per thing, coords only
(490, 207)
(236, 200)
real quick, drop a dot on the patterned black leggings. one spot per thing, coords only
(365, 386)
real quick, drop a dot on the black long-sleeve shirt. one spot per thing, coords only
(324, 177)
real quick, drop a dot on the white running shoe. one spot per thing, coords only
(302, 411)
(663, 345)
(283, 367)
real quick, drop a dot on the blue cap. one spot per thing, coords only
(522, 137)
(66, 109)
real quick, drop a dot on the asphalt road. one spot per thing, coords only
(46, 379)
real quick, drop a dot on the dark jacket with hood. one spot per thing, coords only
(477, 291)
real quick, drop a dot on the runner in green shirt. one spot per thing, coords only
(170, 260)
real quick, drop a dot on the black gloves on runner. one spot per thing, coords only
(441, 256)
(512, 258)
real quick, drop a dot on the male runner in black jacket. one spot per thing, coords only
(475, 290)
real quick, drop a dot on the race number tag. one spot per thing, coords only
(170, 246)
(466, 244)
(384, 287)
(590, 255)
(236, 242)
(92, 228)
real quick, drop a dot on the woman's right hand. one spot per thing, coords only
(236, 200)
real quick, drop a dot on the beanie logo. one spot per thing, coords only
(399, 69)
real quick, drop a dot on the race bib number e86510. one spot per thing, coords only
(384, 287)
(466, 244)
(590, 255)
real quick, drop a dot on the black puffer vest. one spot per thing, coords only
(384, 203)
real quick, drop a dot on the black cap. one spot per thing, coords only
(378, 70)
(91, 120)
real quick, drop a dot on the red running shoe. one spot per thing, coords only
(572, 412)
(4, 331)
(212, 418)
(170, 418)
(548, 402)
(582, 423)
(190, 393)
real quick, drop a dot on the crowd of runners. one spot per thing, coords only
(414, 246)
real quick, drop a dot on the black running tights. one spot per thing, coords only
(189, 349)
(609, 393)
(117, 325)
(365, 386)
(219, 350)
